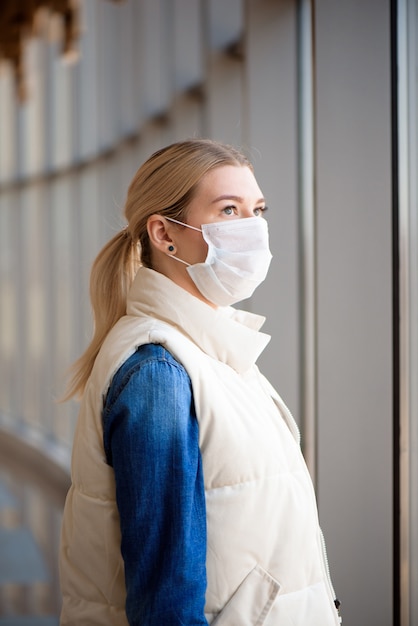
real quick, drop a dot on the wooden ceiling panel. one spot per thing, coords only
(18, 22)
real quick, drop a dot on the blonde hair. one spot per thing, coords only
(164, 184)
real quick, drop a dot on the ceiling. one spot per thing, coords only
(21, 19)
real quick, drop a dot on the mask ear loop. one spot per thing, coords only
(171, 219)
(177, 259)
(171, 247)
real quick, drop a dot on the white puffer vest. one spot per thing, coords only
(265, 559)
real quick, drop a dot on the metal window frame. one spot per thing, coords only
(407, 146)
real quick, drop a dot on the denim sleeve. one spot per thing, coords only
(151, 440)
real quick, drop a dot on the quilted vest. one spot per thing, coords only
(265, 556)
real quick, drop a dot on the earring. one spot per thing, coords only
(171, 248)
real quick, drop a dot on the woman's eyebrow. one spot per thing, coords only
(235, 199)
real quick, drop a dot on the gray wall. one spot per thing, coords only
(354, 228)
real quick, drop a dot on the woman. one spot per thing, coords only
(190, 500)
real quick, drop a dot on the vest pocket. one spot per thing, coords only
(252, 601)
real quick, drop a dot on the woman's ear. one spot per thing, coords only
(157, 232)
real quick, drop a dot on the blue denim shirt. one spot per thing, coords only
(151, 441)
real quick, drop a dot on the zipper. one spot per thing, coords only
(328, 574)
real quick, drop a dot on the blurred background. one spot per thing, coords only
(322, 96)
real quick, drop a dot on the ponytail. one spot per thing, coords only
(111, 276)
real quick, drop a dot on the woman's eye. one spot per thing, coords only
(228, 210)
(260, 210)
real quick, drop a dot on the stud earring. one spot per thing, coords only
(171, 248)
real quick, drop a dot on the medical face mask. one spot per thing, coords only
(237, 261)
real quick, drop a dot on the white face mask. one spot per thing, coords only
(237, 261)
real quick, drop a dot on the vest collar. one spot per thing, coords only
(229, 335)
